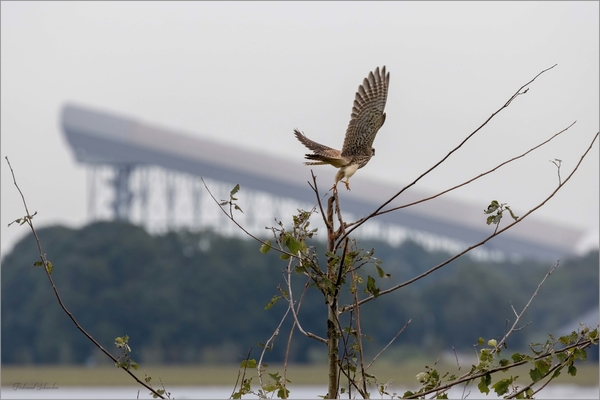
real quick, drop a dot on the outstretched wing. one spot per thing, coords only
(322, 154)
(367, 114)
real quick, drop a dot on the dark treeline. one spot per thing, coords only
(199, 297)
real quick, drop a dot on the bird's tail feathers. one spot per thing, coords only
(315, 163)
(316, 159)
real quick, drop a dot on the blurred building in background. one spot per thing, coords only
(152, 177)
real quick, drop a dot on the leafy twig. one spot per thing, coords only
(47, 267)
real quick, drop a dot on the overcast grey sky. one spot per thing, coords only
(247, 73)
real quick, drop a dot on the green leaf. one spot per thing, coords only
(480, 341)
(381, 272)
(266, 246)
(556, 373)
(37, 264)
(275, 376)
(543, 365)
(580, 354)
(283, 393)
(371, 287)
(493, 219)
(251, 363)
(485, 355)
(501, 387)
(292, 244)
(494, 205)
(300, 269)
(564, 340)
(504, 362)
(572, 370)
(272, 302)
(50, 266)
(484, 383)
(573, 336)
(536, 375)
(235, 189)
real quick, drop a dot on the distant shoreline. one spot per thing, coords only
(223, 375)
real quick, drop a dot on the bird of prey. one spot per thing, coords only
(366, 119)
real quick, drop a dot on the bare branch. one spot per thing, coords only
(289, 343)
(514, 96)
(315, 188)
(424, 274)
(470, 180)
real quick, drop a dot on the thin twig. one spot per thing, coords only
(266, 346)
(359, 336)
(513, 328)
(558, 163)
(289, 343)
(291, 301)
(388, 345)
(230, 216)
